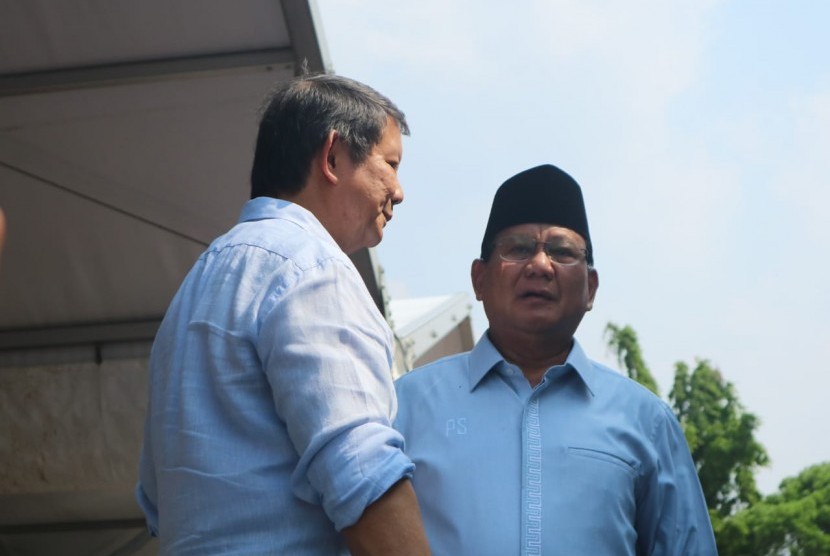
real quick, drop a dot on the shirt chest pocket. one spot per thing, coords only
(601, 455)
(593, 488)
(588, 501)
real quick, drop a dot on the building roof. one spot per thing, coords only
(425, 323)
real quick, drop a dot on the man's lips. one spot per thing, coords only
(537, 294)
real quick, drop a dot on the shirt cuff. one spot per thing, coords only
(357, 469)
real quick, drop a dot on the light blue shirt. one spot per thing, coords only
(589, 463)
(271, 400)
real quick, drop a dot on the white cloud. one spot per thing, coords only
(429, 37)
(803, 177)
(705, 176)
(649, 50)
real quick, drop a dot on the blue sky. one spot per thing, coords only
(700, 133)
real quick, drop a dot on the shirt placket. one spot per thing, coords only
(531, 478)
(532, 473)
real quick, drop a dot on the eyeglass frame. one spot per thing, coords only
(546, 250)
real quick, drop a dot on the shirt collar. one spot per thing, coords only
(579, 362)
(263, 208)
(485, 358)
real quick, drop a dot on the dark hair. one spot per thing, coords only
(298, 117)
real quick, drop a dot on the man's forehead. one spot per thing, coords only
(540, 230)
(391, 139)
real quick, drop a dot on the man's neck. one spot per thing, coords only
(322, 202)
(534, 354)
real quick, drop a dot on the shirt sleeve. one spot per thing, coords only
(327, 353)
(145, 490)
(672, 519)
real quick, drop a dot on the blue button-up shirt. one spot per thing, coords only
(271, 400)
(588, 463)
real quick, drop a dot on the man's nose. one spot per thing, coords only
(540, 261)
(397, 193)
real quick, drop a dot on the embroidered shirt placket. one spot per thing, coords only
(532, 478)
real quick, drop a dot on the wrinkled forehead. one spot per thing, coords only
(543, 232)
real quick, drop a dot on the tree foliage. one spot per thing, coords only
(793, 522)
(623, 341)
(721, 437)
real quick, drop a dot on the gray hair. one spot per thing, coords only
(298, 116)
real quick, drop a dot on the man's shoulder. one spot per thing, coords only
(612, 382)
(447, 370)
(284, 238)
(431, 389)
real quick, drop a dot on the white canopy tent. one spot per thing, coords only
(126, 135)
(126, 138)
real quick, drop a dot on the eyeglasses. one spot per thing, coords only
(520, 248)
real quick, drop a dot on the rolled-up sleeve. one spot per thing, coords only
(327, 353)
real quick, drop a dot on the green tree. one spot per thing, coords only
(793, 522)
(721, 437)
(623, 341)
(720, 432)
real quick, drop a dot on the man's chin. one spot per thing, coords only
(378, 236)
(375, 240)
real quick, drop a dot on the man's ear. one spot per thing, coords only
(593, 286)
(477, 277)
(329, 156)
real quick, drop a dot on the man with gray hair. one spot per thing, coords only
(270, 407)
(526, 446)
